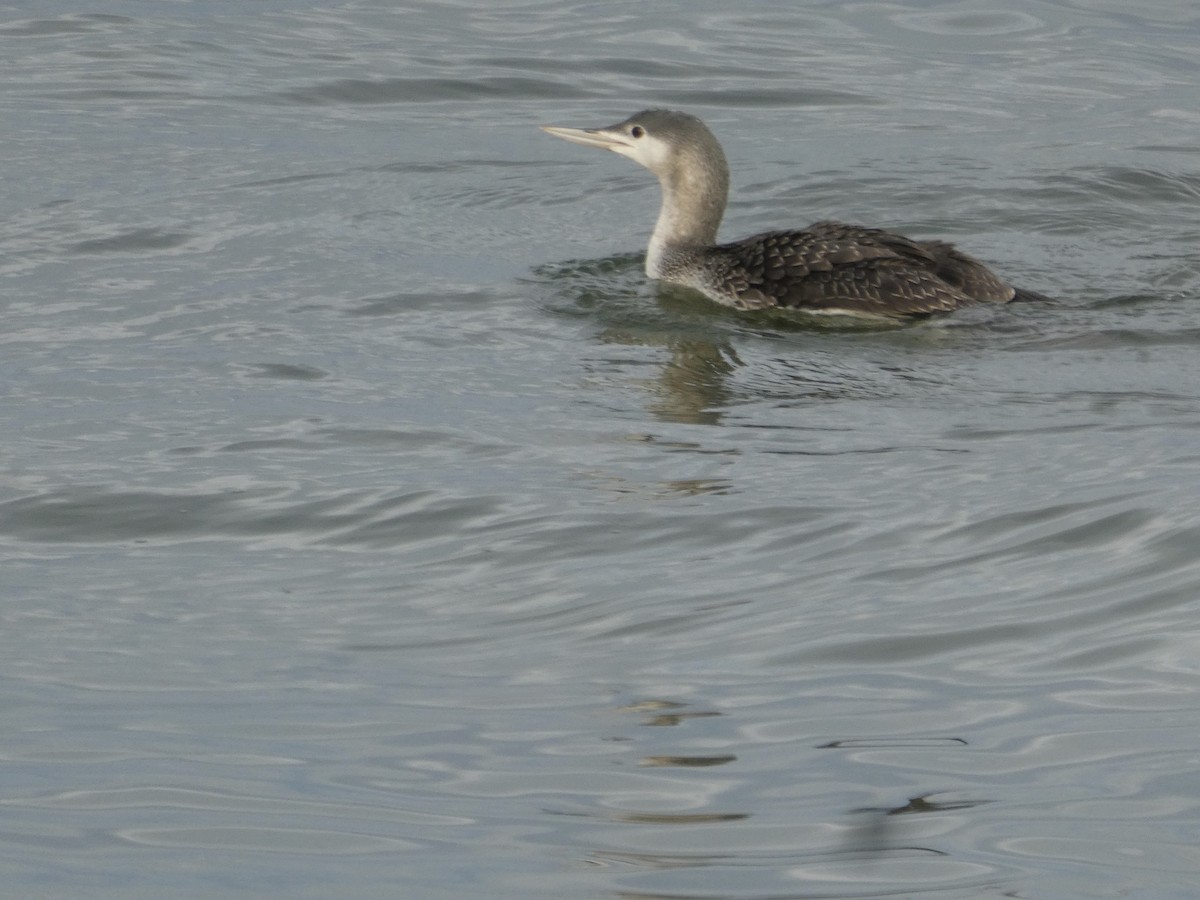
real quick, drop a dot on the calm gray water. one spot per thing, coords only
(370, 527)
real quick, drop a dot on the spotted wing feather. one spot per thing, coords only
(968, 274)
(833, 267)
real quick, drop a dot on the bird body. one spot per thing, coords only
(829, 267)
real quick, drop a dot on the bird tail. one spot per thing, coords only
(1024, 296)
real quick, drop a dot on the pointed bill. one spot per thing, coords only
(588, 137)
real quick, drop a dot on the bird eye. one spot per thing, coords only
(637, 131)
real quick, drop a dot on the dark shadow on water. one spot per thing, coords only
(686, 762)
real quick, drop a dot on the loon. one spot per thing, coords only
(829, 267)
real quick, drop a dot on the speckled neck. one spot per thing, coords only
(695, 188)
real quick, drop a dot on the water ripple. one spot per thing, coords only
(369, 519)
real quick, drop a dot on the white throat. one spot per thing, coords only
(694, 191)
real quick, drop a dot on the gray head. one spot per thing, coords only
(681, 151)
(659, 139)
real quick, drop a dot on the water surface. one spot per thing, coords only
(371, 527)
